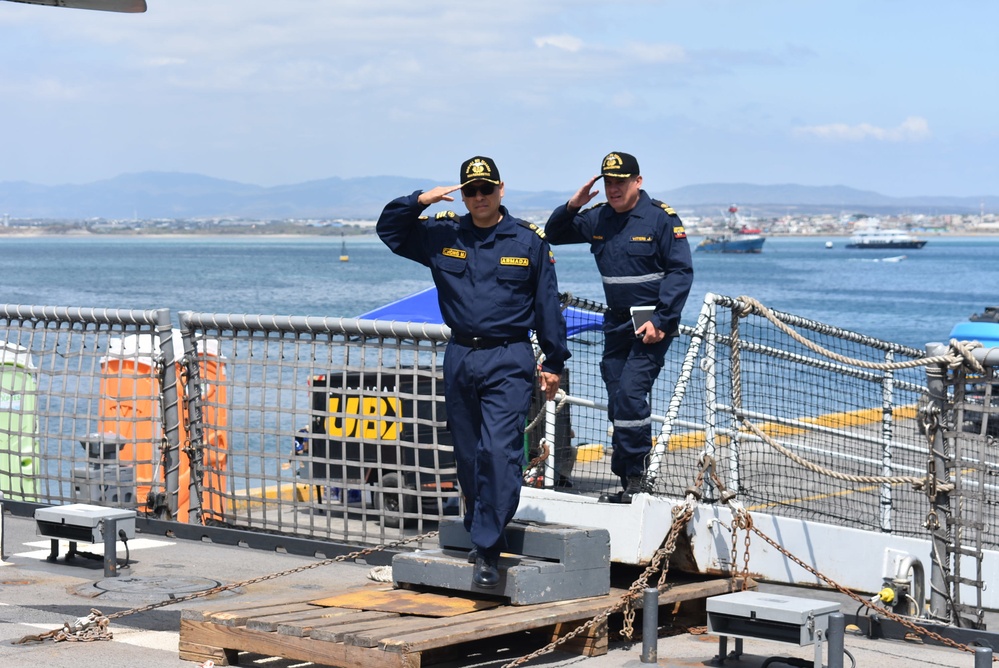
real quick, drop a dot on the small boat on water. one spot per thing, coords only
(885, 239)
(343, 249)
(740, 239)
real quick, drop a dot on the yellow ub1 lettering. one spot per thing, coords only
(364, 418)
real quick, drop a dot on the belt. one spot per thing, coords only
(480, 342)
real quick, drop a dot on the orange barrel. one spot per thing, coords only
(130, 407)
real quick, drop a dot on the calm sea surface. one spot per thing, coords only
(912, 301)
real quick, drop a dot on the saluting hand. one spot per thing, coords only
(549, 384)
(584, 195)
(437, 194)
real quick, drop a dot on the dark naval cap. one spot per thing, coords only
(479, 168)
(619, 166)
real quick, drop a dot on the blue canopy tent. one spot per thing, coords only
(423, 307)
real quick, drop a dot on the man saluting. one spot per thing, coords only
(495, 278)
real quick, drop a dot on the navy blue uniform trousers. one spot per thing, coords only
(629, 368)
(488, 394)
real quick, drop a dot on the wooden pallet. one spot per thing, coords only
(355, 637)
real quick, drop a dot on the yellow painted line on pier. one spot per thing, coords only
(256, 496)
(814, 497)
(696, 439)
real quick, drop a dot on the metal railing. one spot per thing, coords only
(336, 429)
(327, 427)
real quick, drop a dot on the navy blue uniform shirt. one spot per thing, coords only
(495, 283)
(642, 254)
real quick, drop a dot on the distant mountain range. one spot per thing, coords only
(152, 195)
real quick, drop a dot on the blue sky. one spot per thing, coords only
(890, 96)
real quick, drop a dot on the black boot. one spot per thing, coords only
(610, 497)
(485, 574)
(636, 485)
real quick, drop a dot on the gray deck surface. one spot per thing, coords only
(37, 595)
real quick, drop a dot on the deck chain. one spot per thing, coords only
(740, 521)
(91, 628)
(681, 516)
(909, 624)
(103, 621)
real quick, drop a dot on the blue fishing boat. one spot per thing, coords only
(740, 239)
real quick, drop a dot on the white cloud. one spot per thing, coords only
(657, 53)
(912, 129)
(564, 42)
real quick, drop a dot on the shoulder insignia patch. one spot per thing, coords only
(551, 256)
(665, 207)
(424, 218)
(533, 228)
(442, 215)
(679, 232)
(595, 206)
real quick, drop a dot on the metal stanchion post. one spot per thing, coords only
(835, 637)
(983, 657)
(110, 529)
(650, 625)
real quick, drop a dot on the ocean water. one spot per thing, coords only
(911, 301)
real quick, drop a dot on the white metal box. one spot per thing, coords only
(82, 522)
(752, 614)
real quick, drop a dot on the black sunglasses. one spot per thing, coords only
(471, 190)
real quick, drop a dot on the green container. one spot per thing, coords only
(19, 450)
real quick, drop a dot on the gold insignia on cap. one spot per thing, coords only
(612, 162)
(478, 169)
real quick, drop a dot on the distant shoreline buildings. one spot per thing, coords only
(696, 225)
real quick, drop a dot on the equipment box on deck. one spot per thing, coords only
(752, 614)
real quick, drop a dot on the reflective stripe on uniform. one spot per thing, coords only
(647, 278)
(625, 424)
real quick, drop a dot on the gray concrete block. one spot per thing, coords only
(524, 580)
(577, 548)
